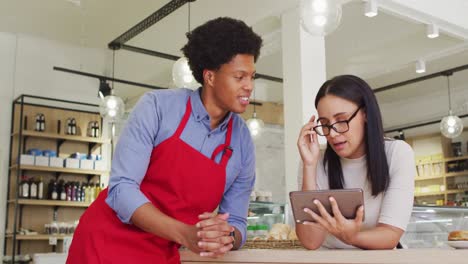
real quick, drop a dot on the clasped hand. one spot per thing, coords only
(214, 234)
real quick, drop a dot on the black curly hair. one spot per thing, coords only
(216, 42)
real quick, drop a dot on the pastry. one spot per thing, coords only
(458, 235)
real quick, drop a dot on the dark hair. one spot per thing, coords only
(356, 90)
(216, 42)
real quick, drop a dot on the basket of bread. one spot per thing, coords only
(458, 239)
(280, 236)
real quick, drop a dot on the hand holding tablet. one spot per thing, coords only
(348, 200)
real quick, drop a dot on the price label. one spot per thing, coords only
(53, 241)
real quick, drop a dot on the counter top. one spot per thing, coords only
(407, 256)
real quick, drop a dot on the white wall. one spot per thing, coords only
(26, 68)
(426, 147)
(270, 167)
(7, 62)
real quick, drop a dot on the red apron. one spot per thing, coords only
(180, 181)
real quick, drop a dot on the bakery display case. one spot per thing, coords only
(262, 216)
(429, 226)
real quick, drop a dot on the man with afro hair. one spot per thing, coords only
(181, 155)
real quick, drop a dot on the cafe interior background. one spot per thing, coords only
(414, 53)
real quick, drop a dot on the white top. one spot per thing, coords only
(394, 206)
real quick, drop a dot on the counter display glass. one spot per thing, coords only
(429, 226)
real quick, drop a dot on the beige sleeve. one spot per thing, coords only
(397, 203)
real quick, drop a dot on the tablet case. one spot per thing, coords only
(348, 201)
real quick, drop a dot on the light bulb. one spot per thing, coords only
(451, 121)
(112, 112)
(320, 21)
(320, 17)
(182, 75)
(255, 126)
(112, 108)
(451, 126)
(111, 103)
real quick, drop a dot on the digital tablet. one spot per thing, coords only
(348, 201)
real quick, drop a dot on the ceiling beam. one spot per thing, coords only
(105, 78)
(422, 78)
(147, 23)
(174, 58)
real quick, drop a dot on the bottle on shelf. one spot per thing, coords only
(98, 190)
(76, 191)
(62, 191)
(71, 126)
(40, 122)
(82, 192)
(73, 130)
(68, 190)
(86, 193)
(92, 192)
(50, 189)
(96, 129)
(40, 188)
(24, 188)
(32, 189)
(43, 123)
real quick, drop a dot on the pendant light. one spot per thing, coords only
(320, 17)
(112, 107)
(255, 124)
(451, 126)
(181, 73)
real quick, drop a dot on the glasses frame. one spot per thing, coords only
(332, 126)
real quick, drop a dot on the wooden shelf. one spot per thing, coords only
(456, 158)
(51, 203)
(57, 169)
(38, 237)
(429, 162)
(440, 193)
(429, 178)
(455, 174)
(456, 191)
(31, 133)
(428, 194)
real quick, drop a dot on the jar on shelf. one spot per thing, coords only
(427, 170)
(262, 231)
(251, 231)
(437, 168)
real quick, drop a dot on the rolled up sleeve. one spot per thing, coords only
(131, 158)
(236, 198)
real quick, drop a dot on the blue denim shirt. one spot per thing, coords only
(154, 119)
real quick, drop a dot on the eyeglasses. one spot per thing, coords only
(339, 127)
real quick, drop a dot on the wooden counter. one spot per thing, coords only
(264, 256)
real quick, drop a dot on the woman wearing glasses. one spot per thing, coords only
(357, 156)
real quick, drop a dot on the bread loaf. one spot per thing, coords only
(458, 235)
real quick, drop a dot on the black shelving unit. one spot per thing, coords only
(20, 134)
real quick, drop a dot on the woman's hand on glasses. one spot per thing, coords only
(308, 144)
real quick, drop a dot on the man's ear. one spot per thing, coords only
(208, 77)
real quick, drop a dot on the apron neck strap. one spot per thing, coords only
(185, 118)
(226, 147)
